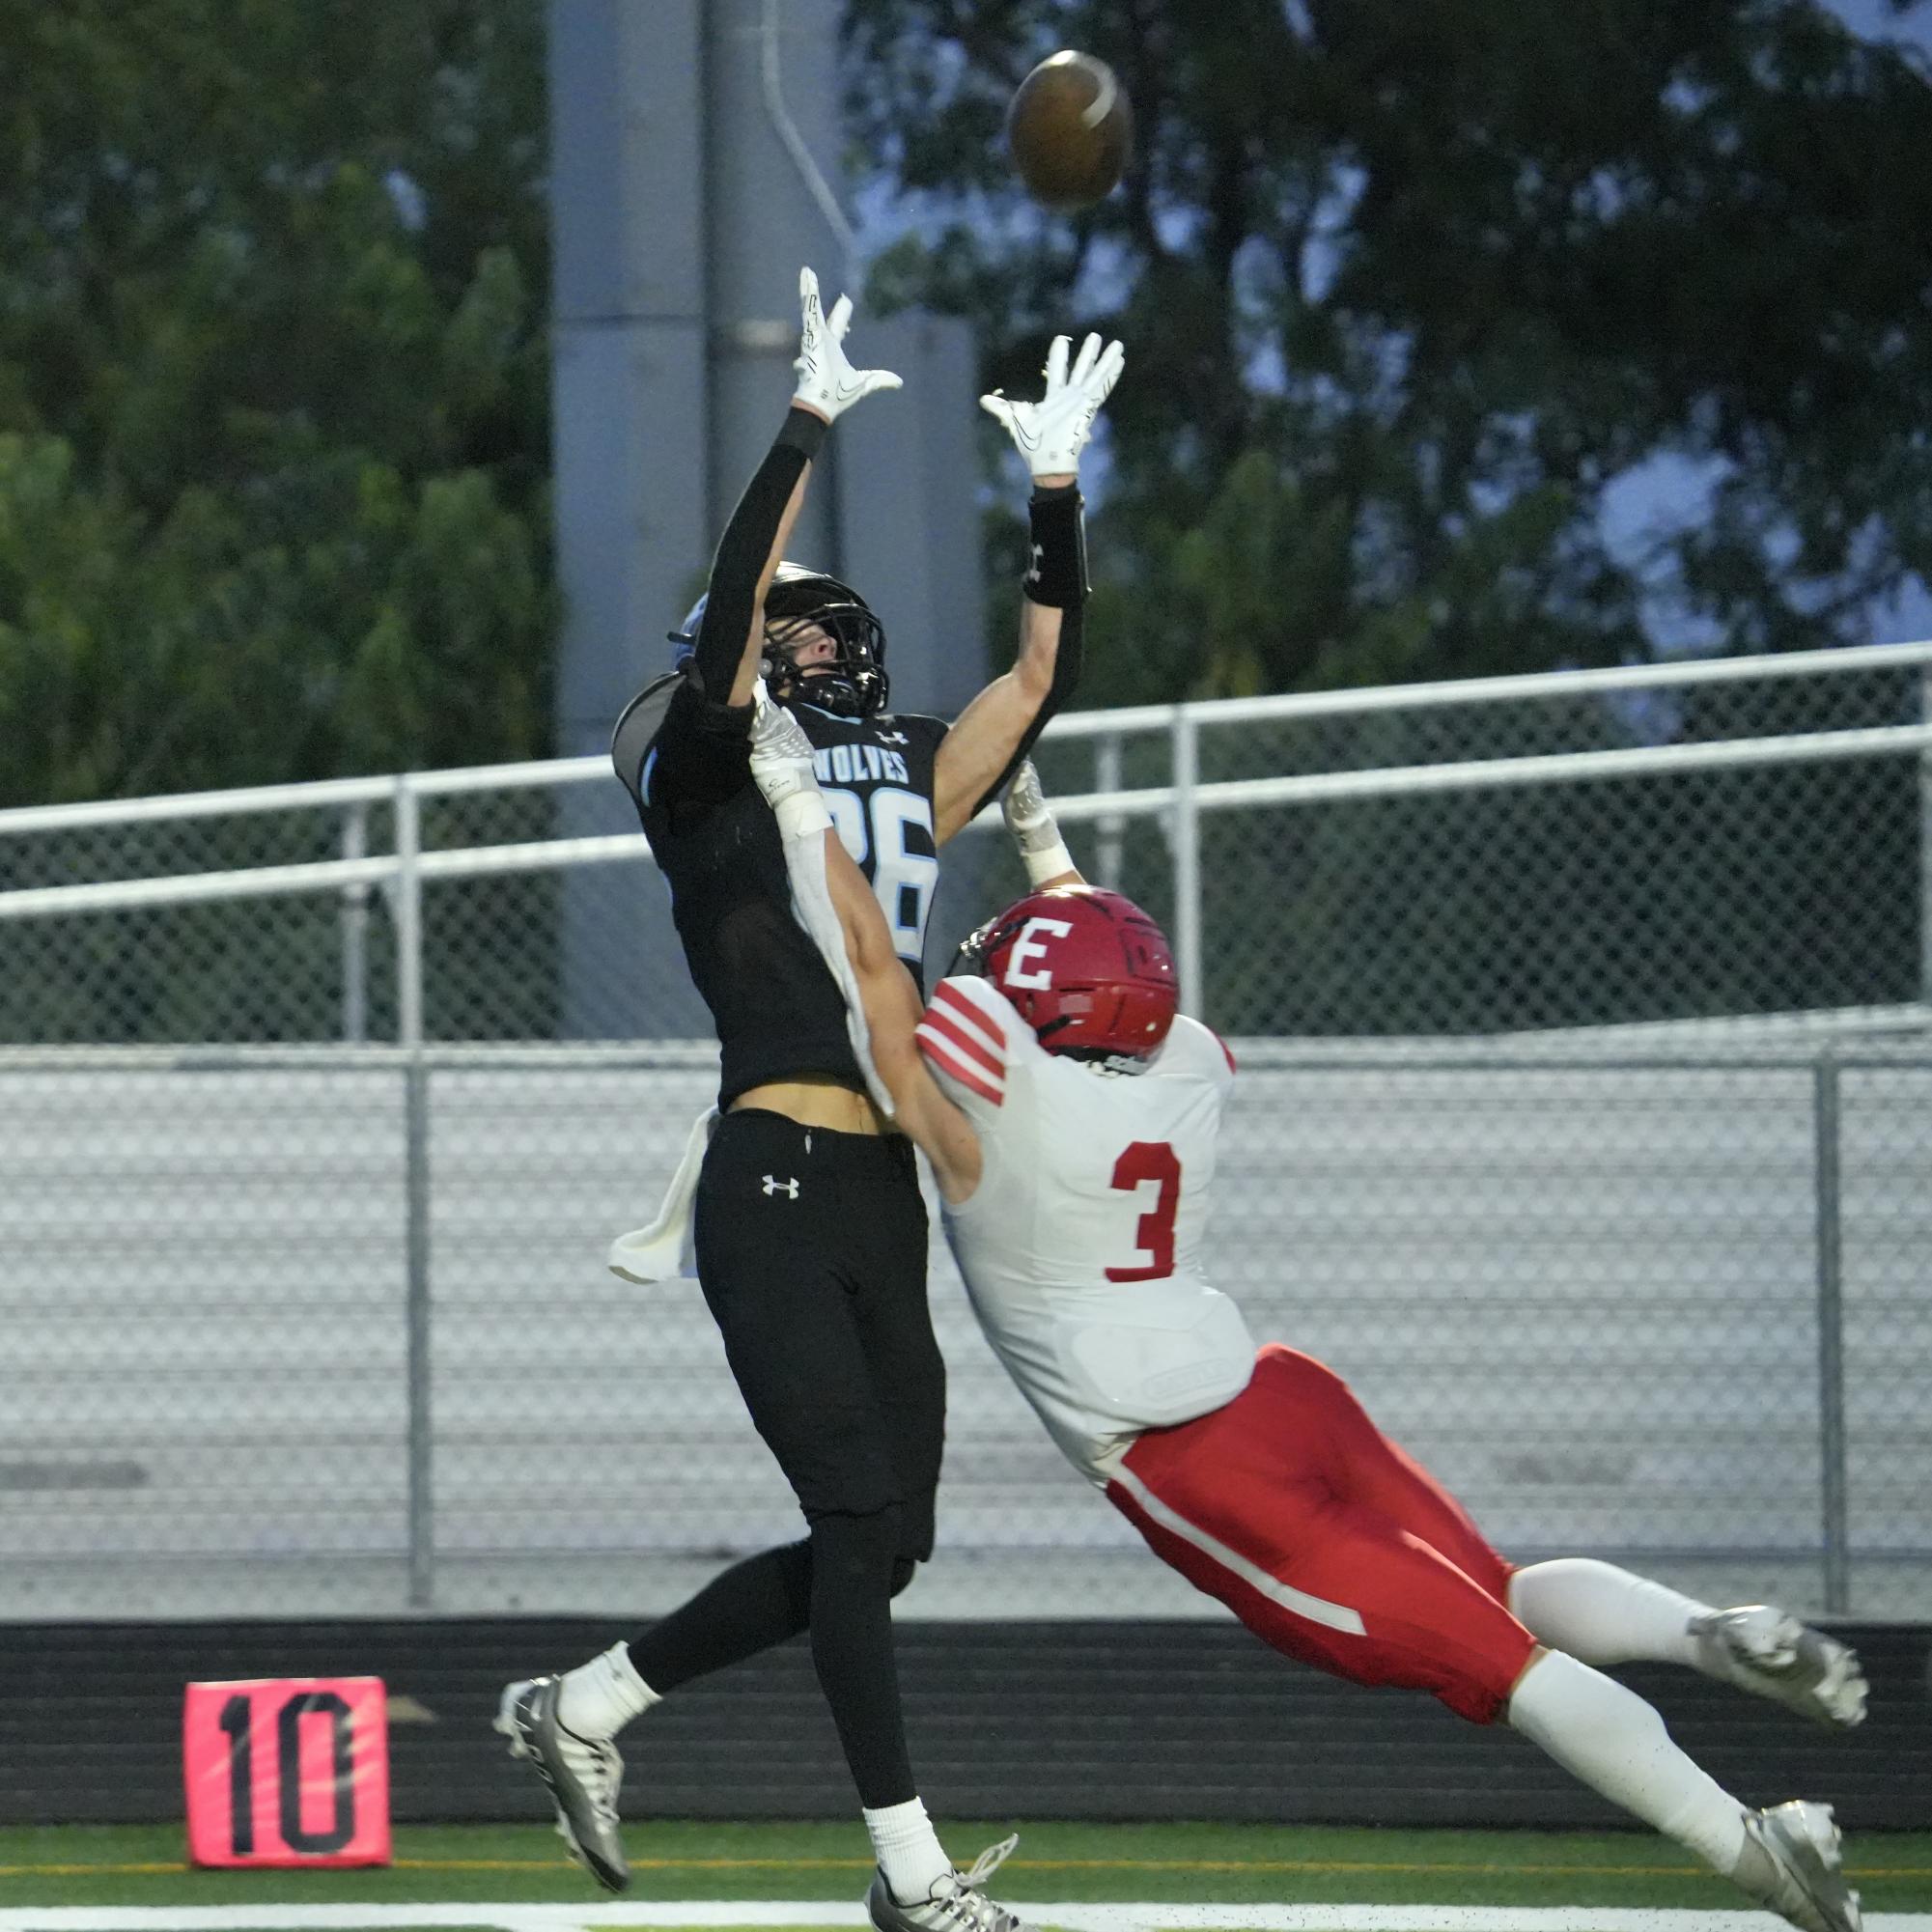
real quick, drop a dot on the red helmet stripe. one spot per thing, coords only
(948, 1058)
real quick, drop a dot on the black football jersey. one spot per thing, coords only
(687, 764)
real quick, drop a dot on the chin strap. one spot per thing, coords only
(791, 685)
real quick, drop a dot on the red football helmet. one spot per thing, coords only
(1088, 970)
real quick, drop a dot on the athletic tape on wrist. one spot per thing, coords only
(802, 814)
(1042, 866)
(1058, 576)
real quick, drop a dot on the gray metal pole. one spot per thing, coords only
(631, 389)
(1925, 843)
(355, 931)
(421, 1478)
(769, 94)
(1106, 778)
(1188, 860)
(1832, 1454)
(406, 907)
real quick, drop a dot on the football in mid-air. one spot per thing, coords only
(1071, 130)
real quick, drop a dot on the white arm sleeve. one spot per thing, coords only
(813, 909)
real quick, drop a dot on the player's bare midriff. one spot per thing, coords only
(816, 1102)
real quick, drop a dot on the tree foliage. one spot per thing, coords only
(273, 391)
(1407, 289)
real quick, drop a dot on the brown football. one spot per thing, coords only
(1071, 130)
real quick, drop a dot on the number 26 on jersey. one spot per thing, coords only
(872, 828)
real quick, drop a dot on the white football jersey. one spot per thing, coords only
(1081, 1246)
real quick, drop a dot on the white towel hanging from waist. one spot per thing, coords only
(660, 1251)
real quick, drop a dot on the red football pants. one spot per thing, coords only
(1329, 1542)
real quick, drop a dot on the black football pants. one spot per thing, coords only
(811, 1250)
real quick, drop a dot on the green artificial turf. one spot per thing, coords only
(1183, 1864)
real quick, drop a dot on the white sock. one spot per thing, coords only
(1603, 1615)
(908, 1849)
(598, 1699)
(1609, 1737)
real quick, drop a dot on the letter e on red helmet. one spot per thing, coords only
(1086, 969)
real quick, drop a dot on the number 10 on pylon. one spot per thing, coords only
(286, 1771)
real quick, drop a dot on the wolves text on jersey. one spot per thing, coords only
(854, 764)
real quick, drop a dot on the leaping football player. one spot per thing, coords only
(1071, 1115)
(802, 1204)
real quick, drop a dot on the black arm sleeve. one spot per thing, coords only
(672, 747)
(1060, 550)
(732, 594)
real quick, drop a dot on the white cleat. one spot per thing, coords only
(1793, 1863)
(582, 1776)
(1763, 1650)
(956, 1902)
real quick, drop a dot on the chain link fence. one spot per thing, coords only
(1584, 1123)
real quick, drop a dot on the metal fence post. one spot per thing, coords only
(1111, 826)
(1832, 1450)
(408, 921)
(407, 909)
(355, 931)
(422, 1497)
(1188, 858)
(1925, 842)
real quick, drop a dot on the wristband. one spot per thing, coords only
(1058, 574)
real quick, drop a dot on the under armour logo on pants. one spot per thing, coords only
(789, 1188)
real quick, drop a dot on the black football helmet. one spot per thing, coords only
(853, 683)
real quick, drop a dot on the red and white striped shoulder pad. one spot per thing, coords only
(971, 1035)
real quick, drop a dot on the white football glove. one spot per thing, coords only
(781, 768)
(826, 381)
(1035, 829)
(1052, 433)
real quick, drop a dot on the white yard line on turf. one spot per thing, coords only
(1072, 1918)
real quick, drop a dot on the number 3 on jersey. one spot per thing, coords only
(1143, 1161)
(873, 830)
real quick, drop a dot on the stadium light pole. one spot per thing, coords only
(694, 169)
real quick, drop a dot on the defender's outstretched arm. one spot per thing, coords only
(839, 912)
(893, 1010)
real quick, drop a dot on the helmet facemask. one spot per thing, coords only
(851, 682)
